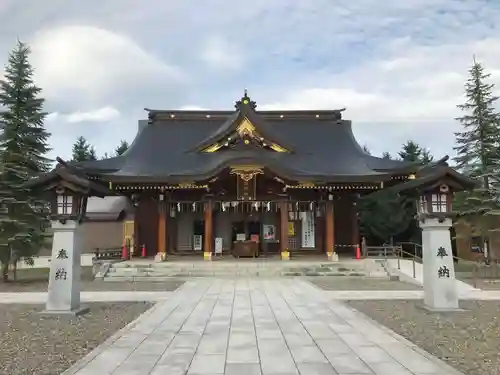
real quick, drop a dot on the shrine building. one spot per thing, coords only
(243, 182)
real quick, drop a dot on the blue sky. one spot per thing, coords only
(398, 66)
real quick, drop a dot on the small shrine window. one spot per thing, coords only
(439, 203)
(64, 204)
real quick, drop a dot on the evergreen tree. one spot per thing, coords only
(23, 146)
(410, 152)
(386, 155)
(120, 150)
(477, 148)
(385, 215)
(366, 149)
(92, 153)
(83, 151)
(426, 156)
(478, 144)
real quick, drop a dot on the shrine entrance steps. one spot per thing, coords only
(147, 270)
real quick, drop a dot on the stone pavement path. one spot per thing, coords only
(246, 327)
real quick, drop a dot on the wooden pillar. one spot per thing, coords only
(330, 231)
(208, 239)
(355, 227)
(162, 232)
(285, 254)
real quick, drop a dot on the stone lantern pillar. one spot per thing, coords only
(67, 189)
(434, 214)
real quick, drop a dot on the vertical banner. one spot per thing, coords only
(308, 230)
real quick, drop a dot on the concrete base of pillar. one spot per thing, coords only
(440, 310)
(160, 257)
(82, 310)
(285, 255)
(207, 255)
(334, 257)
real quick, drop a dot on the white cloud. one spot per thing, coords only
(192, 108)
(410, 94)
(89, 63)
(100, 115)
(220, 54)
(398, 66)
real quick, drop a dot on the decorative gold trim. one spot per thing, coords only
(247, 129)
(246, 172)
(213, 148)
(277, 148)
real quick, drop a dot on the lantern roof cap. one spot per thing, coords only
(71, 177)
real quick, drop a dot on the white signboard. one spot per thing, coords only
(197, 242)
(218, 245)
(308, 229)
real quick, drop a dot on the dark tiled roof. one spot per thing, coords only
(322, 145)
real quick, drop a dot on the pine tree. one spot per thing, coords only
(426, 156)
(23, 146)
(83, 151)
(477, 148)
(120, 150)
(386, 155)
(92, 153)
(411, 152)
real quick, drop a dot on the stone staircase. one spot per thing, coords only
(149, 271)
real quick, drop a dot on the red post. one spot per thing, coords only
(143, 251)
(358, 253)
(124, 252)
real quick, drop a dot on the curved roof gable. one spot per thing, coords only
(243, 125)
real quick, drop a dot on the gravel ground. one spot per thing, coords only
(98, 285)
(35, 345)
(468, 340)
(36, 280)
(482, 284)
(360, 283)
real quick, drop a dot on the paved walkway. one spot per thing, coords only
(246, 327)
(132, 296)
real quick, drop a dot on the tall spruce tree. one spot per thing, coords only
(478, 156)
(23, 149)
(120, 150)
(82, 150)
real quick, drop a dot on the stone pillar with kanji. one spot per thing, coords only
(440, 287)
(65, 269)
(67, 189)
